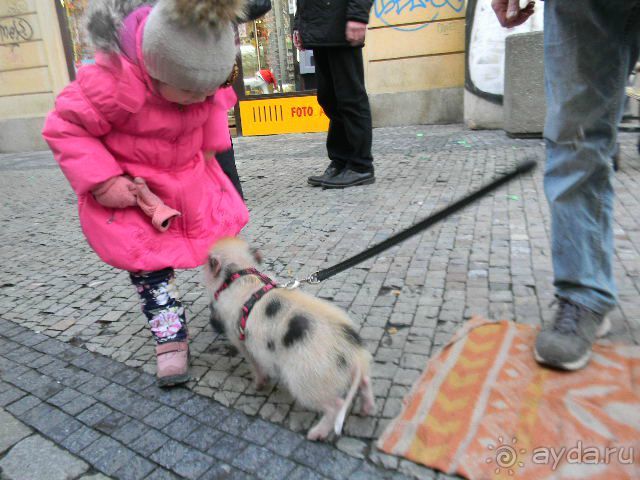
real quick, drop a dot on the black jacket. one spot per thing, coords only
(322, 23)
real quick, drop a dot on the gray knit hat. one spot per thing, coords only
(190, 44)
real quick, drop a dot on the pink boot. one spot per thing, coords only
(173, 363)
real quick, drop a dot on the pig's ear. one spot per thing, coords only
(215, 265)
(256, 255)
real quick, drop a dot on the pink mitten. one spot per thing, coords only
(115, 193)
(152, 206)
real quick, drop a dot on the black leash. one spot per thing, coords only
(319, 276)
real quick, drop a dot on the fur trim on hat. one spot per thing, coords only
(104, 20)
(104, 17)
(206, 12)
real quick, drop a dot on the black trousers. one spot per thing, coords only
(342, 95)
(227, 162)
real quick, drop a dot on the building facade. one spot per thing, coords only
(33, 69)
(414, 67)
(414, 58)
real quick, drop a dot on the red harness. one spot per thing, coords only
(248, 305)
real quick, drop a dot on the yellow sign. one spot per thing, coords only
(282, 115)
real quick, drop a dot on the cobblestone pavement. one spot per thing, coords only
(69, 413)
(491, 259)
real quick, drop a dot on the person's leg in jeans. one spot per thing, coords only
(352, 105)
(587, 53)
(337, 144)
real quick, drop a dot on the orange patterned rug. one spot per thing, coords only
(484, 409)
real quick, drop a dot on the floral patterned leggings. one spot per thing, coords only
(161, 305)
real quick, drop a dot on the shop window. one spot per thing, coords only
(270, 62)
(269, 59)
(83, 52)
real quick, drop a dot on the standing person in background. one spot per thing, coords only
(227, 158)
(335, 30)
(253, 10)
(589, 47)
(227, 162)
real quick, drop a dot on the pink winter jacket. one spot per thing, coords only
(110, 121)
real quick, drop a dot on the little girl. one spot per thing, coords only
(136, 133)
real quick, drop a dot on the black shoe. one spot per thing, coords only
(318, 180)
(349, 178)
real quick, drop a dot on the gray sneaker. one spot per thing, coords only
(567, 343)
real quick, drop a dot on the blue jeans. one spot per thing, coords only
(589, 48)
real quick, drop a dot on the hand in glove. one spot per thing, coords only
(152, 206)
(115, 193)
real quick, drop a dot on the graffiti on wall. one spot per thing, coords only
(387, 11)
(16, 7)
(15, 30)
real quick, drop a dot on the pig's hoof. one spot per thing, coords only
(368, 408)
(317, 434)
(261, 383)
